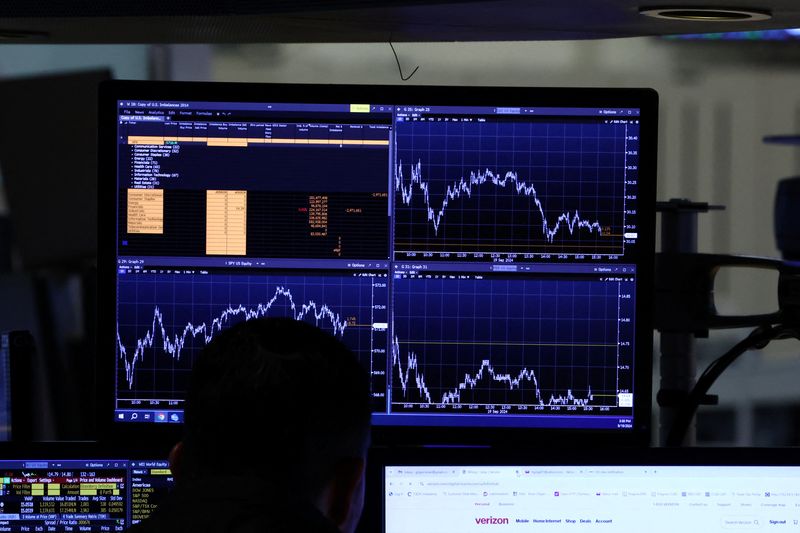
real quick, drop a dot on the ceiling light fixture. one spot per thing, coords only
(705, 14)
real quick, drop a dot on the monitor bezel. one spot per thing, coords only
(645, 99)
(381, 457)
(74, 450)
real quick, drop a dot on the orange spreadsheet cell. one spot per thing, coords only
(146, 211)
(226, 222)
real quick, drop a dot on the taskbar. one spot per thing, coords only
(149, 415)
(579, 422)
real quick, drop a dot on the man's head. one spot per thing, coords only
(283, 401)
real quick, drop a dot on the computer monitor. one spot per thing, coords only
(661, 491)
(56, 488)
(68, 173)
(485, 252)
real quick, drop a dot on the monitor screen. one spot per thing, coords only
(483, 252)
(621, 498)
(80, 494)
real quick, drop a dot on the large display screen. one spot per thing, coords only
(483, 261)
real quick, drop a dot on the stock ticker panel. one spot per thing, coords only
(80, 495)
(304, 190)
(480, 187)
(166, 318)
(38, 498)
(150, 483)
(512, 345)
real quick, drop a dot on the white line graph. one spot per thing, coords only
(172, 345)
(466, 186)
(486, 371)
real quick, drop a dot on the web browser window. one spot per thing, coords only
(622, 499)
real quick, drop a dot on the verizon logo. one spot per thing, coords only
(491, 520)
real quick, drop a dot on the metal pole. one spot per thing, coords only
(678, 364)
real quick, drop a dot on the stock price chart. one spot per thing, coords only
(165, 319)
(502, 345)
(466, 188)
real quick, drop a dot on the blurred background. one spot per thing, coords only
(719, 98)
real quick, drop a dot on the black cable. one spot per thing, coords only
(758, 338)
(397, 59)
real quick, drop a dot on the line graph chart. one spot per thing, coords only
(509, 345)
(490, 187)
(571, 222)
(165, 319)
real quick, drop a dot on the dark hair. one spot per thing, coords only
(279, 399)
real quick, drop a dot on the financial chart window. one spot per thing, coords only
(481, 262)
